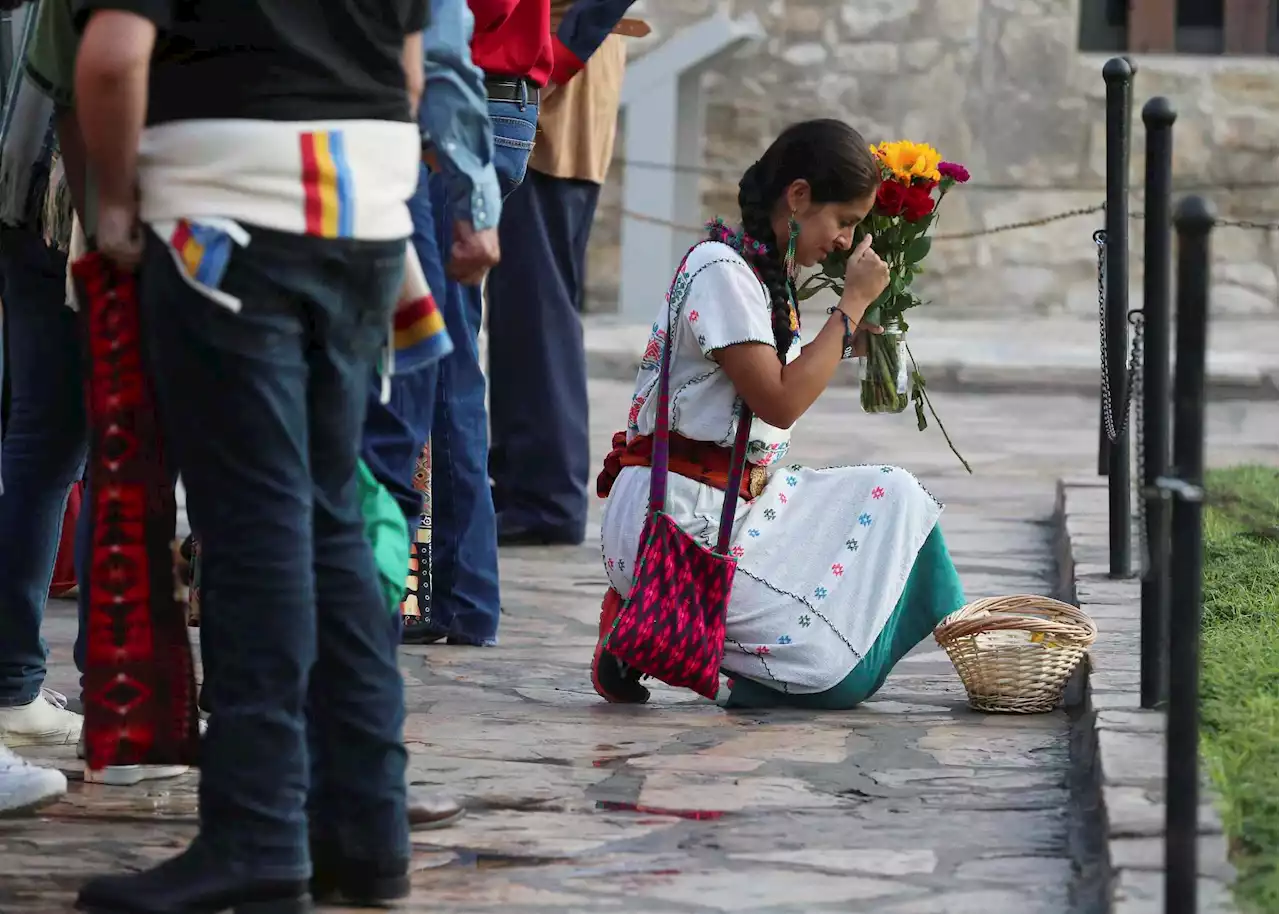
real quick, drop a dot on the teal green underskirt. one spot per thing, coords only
(932, 592)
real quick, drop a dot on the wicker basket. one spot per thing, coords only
(1014, 654)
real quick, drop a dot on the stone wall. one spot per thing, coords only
(1001, 86)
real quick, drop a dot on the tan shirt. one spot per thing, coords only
(579, 122)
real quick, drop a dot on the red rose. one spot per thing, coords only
(917, 203)
(890, 198)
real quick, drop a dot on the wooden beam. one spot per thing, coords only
(1153, 26)
(1245, 26)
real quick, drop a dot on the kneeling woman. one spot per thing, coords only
(841, 571)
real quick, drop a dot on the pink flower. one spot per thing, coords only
(877, 493)
(837, 569)
(693, 316)
(738, 552)
(953, 170)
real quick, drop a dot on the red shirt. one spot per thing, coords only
(513, 38)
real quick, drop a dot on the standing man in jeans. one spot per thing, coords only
(254, 160)
(540, 459)
(455, 214)
(522, 61)
(45, 437)
(23, 787)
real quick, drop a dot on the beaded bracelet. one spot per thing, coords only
(848, 351)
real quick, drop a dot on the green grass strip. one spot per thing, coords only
(1239, 669)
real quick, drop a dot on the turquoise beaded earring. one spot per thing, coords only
(789, 262)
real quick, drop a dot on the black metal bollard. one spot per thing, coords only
(1158, 115)
(1114, 437)
(1194, 221)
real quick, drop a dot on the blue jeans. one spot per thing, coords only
(44, 450)
(261, 410)
(540, 459)
(445, 402)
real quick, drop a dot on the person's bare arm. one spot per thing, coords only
(411, 59)
(780, 394)
(112, 67)
(71, 148)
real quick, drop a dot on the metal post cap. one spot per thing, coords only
(1117, 69)
(1194, 214)
(1159, 112)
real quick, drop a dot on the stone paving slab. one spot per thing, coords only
(1128, 742)
(912, 803)
(1040, 355)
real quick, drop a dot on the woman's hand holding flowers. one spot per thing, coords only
(862, 336)
(865, 277)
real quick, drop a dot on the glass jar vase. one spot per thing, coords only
(886, 383)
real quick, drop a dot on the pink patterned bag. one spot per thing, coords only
(672, 624)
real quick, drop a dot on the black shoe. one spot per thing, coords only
(195, 882)
(420, 631)
(510, 534)
(361, 883)
(616, 682)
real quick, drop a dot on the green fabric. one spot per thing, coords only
(51, 58)
(932, 592)
(51, 65)
(388, 535)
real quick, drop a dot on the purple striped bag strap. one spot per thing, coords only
(737, 466)
(662, 422)
(659, 471)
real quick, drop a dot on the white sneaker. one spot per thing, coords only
(129, 775)
(43, 722)
(24, 787)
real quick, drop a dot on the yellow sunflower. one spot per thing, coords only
(908, 160)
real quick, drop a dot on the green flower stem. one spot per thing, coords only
(929, 403)
(879, 390)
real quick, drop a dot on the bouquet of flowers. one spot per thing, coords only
(914, 181)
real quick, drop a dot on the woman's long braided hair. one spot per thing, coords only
(837, 163)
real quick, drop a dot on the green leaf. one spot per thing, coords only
(804, 293)
(833, 264)
(918, 249)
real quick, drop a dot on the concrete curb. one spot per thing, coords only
(1121, 745)
(957, 377)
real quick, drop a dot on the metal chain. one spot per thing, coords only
(1026, 223)
(1138, 320)
(1114, 426)
(979, 233)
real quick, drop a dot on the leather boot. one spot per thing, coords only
(197, 881)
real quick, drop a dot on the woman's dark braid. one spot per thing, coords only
(757, 222)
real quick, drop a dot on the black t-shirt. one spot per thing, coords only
(280, 60)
